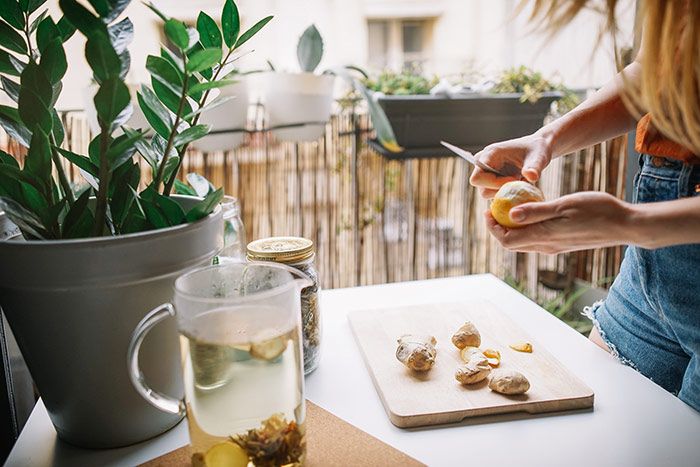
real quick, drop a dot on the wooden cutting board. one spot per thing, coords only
(414, 399)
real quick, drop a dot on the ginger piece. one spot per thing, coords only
(522, 347)
(417, 352)
(493, 356)
(467, 353)
(467, 336)
(508, 382)
(473, 372)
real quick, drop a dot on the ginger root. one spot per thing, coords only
(508, 382)
(522, 347)
(417, 352)
(474, 371)
(493, 356)
(467, 336)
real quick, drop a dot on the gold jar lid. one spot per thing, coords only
(281, 249)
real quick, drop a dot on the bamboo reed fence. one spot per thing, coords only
(376, 221)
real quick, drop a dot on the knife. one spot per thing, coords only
(469, 157)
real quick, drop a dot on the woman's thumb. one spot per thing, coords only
(533, 167)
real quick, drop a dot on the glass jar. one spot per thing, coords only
(234, 231)
(298, 253)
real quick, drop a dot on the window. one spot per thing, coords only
(399, 43)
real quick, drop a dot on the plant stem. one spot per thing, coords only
(173, 133)
(169, 185)
(101, 206)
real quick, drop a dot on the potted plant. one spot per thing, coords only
(89, 264)
(515, 106)
(306, 98)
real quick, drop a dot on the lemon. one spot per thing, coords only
(510, 195)
(467, 352)
(226, 454)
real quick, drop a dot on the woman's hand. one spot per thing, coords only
(529, 154)
(573, 222)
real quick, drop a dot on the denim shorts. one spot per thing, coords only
(651, 317)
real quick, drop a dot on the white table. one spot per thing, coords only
(634, 422)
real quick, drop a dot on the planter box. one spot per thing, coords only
(473, 121)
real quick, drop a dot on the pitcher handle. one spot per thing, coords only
(157, 399)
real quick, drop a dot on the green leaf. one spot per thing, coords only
(173, 59)
(177, 33)
(11, 88)
(246, 36)
(81, 161)
(46, 32)
(66, 28)
(191, 134)
(53, 61)
(6, 65)
(156, 114)
(34, 79)
(112, 97)
(38, 161)
(182, 188)
(203, 59)
(206, 206)
(171, 166)
(169, 98)
(155, 10)
(117, 8)
(159, 66)
(36, 21)
(33, 5)
(34, 112)
(12, 13)
(15, 175)
(121, 35)
(12, 124)
(6, 159)
(310, 49)
(122, 149)
(143, 147)
(230, 23)
(81, 18)
(170, 209)
(212, 105)
(10, 39)
(102, 58)
(209, 34)
(380, 122)
(201, 185)
(101, 7)
(154, 215)
(18, 64)
(35, 202)
(57, 129)
(200, 87)
(79, 220)
(30, 224)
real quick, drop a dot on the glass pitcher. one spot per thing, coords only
(240, 341)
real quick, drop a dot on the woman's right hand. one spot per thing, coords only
(529, 154)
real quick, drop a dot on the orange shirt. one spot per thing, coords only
(650, 141)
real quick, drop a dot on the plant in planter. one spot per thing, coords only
(295, 98)
(89, 265)
(473, 120)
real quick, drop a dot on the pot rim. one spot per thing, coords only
(466, 96)
(126, 238)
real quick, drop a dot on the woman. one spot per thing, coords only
(651, 317)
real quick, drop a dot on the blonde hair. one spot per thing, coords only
(669, 88)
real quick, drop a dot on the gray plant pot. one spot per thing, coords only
(73, 305)
(474, 121)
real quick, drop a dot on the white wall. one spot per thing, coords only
(468, 34)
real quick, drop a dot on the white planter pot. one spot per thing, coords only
(72, 306)
(232, 115)
(292, 98)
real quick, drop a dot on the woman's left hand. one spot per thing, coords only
(573, 222)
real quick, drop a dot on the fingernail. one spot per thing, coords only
(517, 215)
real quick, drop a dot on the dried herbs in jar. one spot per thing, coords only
(298, 253)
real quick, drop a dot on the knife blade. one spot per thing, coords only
(469, 157)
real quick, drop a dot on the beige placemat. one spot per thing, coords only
(331, 442)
